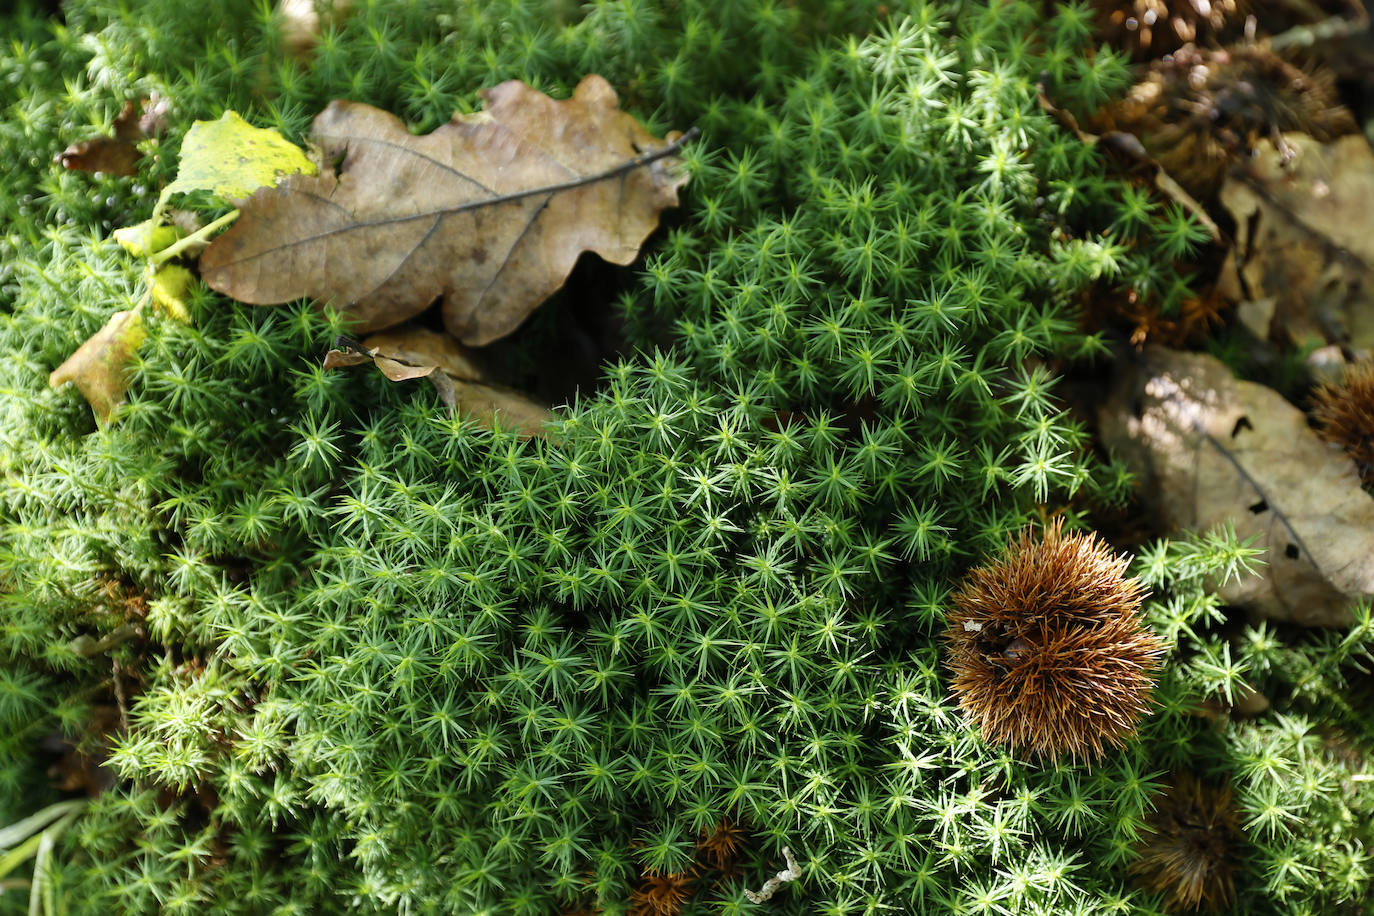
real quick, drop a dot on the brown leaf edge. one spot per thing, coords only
(490, 405)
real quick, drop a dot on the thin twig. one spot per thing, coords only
(791, 873)
(119, 696)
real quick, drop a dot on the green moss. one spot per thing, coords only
(394, 662)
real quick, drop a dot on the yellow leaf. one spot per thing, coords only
(143, 240)
(233, 158)
(169, 285)
(99, 366)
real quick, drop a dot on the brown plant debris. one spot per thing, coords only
(1048, 649)
(1190, 854)
(1194, 321)
(490, 211)
(719, 847)
(1344, 413)
(1303, 263)
(662, 895)
(1197, 111)
(1213, 450)
(1151, 28)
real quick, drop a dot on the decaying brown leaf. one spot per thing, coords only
(119, 154)
(1304, 213)
(1213, 449)
(99, 367)
(490, 211)
(413, 353)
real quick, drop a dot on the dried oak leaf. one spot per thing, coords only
(1304, 254)
(1213, 449)
(414, 353)
(490, 211)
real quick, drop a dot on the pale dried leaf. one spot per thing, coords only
(1305, 239)
(413, 353)
(99, 367)
(1213, 449)
(423, 347)
(490, 211)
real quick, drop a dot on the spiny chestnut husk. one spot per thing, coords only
(1344, 414)
(1048, 648)
(1190, 854)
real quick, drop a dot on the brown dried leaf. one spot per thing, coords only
(118, 155)
(413, 353)
(1304, 253)
(1213, 449)
(99, 366)
(490, 211)
(101, 154)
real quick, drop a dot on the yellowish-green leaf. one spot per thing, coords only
(99, 367)
(169, 287)
(232, 158)
(144, 239)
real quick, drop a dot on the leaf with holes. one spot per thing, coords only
(490, 211)
(1213, 449)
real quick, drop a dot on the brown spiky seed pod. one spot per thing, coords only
(1344, 414)
(1048, 649)
(1189, 855)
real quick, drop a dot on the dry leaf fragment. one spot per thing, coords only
(1213, 449)
(1304, 213)
(101, 154)
(99, 366)
(490, 211)
(419, 353)
(119, 154)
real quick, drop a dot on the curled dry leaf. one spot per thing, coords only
(490, 211)
(1213, 449)
(1304, 255)
(99, 367)
(414, 353)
